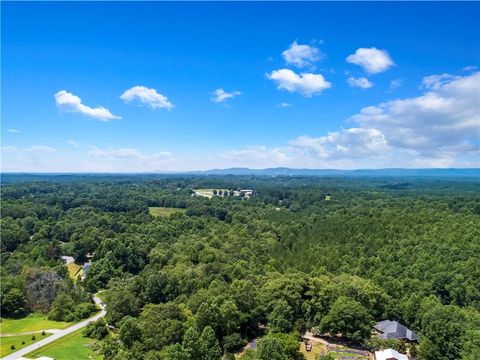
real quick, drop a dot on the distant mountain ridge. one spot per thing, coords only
(283, 171)
(279, 171)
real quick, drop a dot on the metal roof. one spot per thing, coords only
(395, 330)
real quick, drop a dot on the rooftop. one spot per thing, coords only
(394, 330)
(389, 354)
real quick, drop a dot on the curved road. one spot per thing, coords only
(59, 334)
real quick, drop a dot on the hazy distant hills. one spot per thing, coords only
(471, 173)
(282, 171)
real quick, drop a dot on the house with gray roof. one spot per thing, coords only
(393, 330)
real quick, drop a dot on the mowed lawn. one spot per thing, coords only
(164, 211)
(8, 341)
(317, 349)
(73, 346)
(32, 322)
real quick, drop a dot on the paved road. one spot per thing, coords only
(68, 259)
(58, 335)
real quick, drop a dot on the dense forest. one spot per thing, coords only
(330, 255)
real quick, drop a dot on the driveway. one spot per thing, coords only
(59, 334)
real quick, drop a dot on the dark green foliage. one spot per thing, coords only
(208, 345)
(121, 303)
(129, 331)
(284, 260)
(13, 302)
(444, 330)
(375, 343)
(64, 308)
(271, 349)
(281, 317)
(175, 352)
(233, 342)
(161, 325)
(348, 318)
(190, 344)
(471, 346)
(96, 330)
(290, 345)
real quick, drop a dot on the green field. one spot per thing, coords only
(32, 322)
(73, 346)
(8, 341)
(164, 211)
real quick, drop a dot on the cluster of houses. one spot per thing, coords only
(245, 193)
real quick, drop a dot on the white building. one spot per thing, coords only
(389, 354)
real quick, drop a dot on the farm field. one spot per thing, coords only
(8, 341)
(73, 346)
(32, 322)
(164, 211)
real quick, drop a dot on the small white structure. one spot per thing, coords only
(389, 354)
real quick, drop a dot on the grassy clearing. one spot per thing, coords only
(207, 192)
(72, 346)
(74, 270)
(31, 322)
(8, 341)
(317, 349)
(164, 211)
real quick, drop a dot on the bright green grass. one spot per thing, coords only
(164, 211)
(8, 341)
(72, 346)
(31, 322)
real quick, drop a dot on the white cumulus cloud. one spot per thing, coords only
(372, 60)
(444, 121)
(220, 95)
(74, 144)
(39, 149)
(395, 84)
(32, 149)
(301, 55)
(346, 143)
(435, 82)
(307, 84)
(360, 82)
(15, 131)
(146, 96)
(69, 102)
(439, 128)
(128, 154)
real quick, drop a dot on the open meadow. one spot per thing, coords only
(73, 346)
(164, 211)
(19, 342)
(31, 322)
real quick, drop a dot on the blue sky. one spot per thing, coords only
(101, 86)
